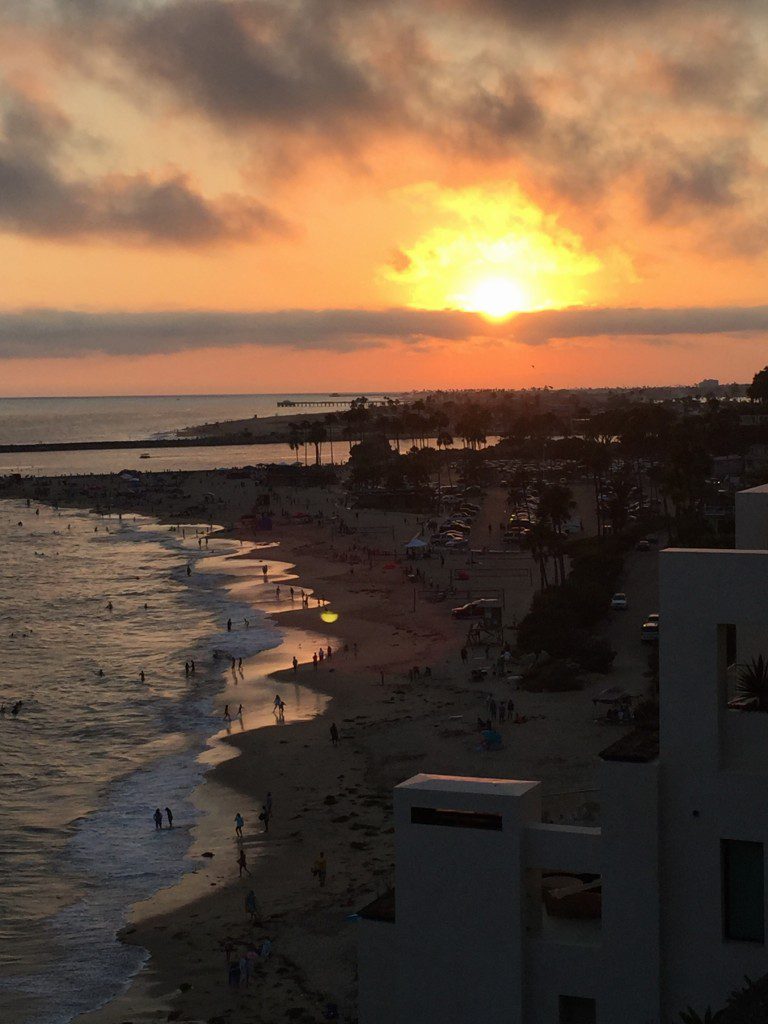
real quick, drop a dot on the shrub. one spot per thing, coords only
(558, 676)
(595, 655)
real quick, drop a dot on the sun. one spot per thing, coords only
(490, 249)
(495, 297)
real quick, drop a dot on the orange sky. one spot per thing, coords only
(381, 156)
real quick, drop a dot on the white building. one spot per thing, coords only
(675, 915)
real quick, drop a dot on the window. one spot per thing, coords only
(457, 819)
(743, 890)
(577, 1010)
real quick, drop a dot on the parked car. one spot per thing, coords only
(649, 631)
(619, 601)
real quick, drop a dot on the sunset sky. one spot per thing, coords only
(234, 196)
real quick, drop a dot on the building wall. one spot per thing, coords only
(752, 519)
(377, 954)
(461, 902)
(713, 767)
(630, 870)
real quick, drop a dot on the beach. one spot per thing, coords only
(336, 800)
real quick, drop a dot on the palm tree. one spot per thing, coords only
(316, 435)
(753, 681)
(294, 439)
(331, 419)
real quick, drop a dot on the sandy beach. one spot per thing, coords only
(337, 799)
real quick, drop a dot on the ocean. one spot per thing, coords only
(94, 749)
(35, 420)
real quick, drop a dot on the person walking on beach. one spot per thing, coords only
(192, 666)
(320, 869)
(277, 593)
(142, 677)
(314, 659)
(239, 822)
(277, 702)
(158, 816)
(265, 570)
(264, 816)
(295, 663)
(229, 625)
(169, 816)
(334, 734)
(250, 905)
(239, 664)
(227, 716)
(240, 711)
(321, 655)
(329, 652)
(241, 863)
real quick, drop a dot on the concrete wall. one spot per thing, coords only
(461, 905)
(752, 518)
(630, 870)
(713, 767)
(701, 591)
(699, 966)
(377, 954)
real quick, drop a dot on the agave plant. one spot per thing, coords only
(753, 681)
(690, 1016)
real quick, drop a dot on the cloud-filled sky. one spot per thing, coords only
(214, 195)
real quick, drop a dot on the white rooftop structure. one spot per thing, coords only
(502, 919)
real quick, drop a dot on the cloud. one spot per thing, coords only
(62, 333)
(37, 198)
(561, 324)
(55, 333)
(251, 62)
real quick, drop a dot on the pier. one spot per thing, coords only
(347, 403)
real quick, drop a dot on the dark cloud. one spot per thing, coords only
(52, 333)
(37, 198)
(561, 324)
(244, 61)
(689, 182)
(49, 333)
(563, 14)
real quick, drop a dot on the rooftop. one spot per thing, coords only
(460, 784)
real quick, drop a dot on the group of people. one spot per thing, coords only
(228, 714)
(319, 656)
(418, 673)
(500, 711)
(158, 816)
